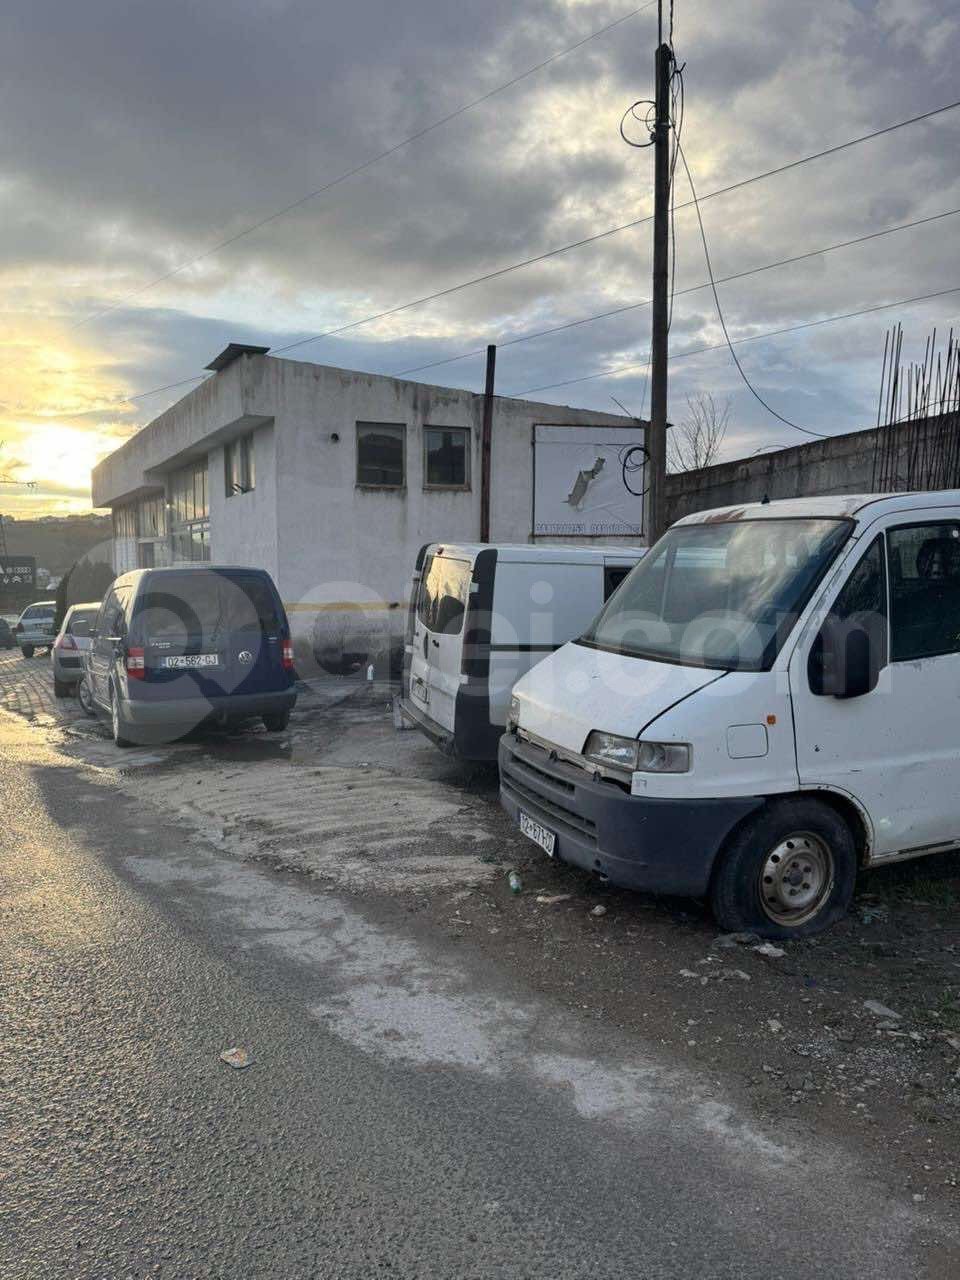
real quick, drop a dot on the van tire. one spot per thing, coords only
(276, 722)
(27, 650)
(118, 726)
(826, 856)
(61, 689)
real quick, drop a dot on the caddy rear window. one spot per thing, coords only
(206, 605)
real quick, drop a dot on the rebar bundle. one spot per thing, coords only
(917, 442)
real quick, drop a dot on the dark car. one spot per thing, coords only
(174, 648)
(7, 640)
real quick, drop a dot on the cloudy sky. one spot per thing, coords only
(135, 136)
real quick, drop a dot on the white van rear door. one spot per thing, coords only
(435, 668)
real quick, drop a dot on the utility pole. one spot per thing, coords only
(486, 444)
(657, 444)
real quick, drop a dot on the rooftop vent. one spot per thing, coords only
(233, 351)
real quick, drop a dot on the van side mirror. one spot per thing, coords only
(845, 661)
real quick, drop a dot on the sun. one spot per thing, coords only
(61, 411)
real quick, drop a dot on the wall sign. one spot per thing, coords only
(588, 482)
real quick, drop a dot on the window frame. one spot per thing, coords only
(946, 523)
(466, 486)
(374, 485)
(239, 466)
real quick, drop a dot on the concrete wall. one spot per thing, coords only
(842, 464)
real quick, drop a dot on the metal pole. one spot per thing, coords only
(657, 444)
(485, 441)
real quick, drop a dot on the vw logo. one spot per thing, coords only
(245, 656)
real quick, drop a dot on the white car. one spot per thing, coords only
(72, 642)
(34, 628)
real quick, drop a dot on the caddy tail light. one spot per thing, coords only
(136, 665)
(66, 642)
(18, 628)
(287, 658)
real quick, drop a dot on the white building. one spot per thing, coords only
(332, 480)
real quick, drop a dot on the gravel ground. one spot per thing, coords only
(854, 1035)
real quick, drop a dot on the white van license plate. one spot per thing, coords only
(539, 835)
(192, 660)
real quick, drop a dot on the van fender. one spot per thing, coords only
(850, 808)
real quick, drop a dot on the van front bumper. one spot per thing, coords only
(194, 711)
(661, 846)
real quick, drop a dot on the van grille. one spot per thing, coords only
(524, 782)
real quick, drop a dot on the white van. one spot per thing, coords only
(768, 703)
(482, 615)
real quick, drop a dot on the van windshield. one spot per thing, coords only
(206, 604)
(721, 595)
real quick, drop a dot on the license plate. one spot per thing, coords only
(539, 835)
(191, 660)
(419, 689)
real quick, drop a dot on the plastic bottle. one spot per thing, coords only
(514, 881)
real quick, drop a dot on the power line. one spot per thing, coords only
(601, 235)
(576, 244)
(367, 164)
(615, 311)
(753, 337)
(723, 324)
(739, 275)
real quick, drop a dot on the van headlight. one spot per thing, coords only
(513, 716)
(634, 756)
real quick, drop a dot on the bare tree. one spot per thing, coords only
(696, 441)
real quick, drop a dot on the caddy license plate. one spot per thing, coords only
(191, 660)
(539, 835)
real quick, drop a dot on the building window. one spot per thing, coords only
(239, 466)
(125, 522)
(446, 458)
(190, 512)
(152, 517)
(380, 454)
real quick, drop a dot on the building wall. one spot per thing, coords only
(243, 527)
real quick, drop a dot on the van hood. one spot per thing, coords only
(578, 689)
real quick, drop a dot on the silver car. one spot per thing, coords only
(73, 640)
(34, 628)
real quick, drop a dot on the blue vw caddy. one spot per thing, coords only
(175, 648)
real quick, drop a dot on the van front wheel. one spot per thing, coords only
(788, 872)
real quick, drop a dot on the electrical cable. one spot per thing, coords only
(738, 275)
(807, 431)
(585, 241)
(367, 164)
(601, 235)
(723, 346)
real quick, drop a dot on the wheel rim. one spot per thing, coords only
(114, 715)
(796, 878)
(83, 696)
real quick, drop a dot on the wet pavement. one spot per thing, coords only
(578, 1094)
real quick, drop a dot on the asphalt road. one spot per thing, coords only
(404, 1116)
